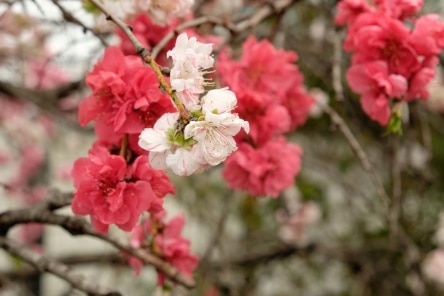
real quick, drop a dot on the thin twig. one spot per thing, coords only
(69, 17)
(395, 205)
(337, 70)
(357, 149)
(252, 21)
(228, 200)
(188, 24)
(78, 226)
(44, 264)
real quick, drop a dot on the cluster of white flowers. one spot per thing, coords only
(188, 145)
(191, 60)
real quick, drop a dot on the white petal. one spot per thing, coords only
(222, 100)
(195, 129)
(152, 140)
(166, 121)
(216, 147)
(183, 163)
(158, 159)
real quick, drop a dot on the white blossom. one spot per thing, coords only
(214, 134)
(165, 153)
(155, 140)
(191, 59)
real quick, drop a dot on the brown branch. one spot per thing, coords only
(102, 258)
(188, 24)
(359, 152)
(45, 99)
(78, 226)
(44, 264)
(69, 17)
(273, 7)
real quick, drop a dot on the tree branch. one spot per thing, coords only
(41, 213)
(44, 264)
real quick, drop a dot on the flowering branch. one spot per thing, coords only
(144, 53)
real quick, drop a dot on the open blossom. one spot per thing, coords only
(190, 60)
(271, 96)
(112, 193)
(427, 38)
(166, 241)
(376, 85)
(263, 171)
(349, 10)
(214, 134)
(206, 140)
(125, 99)
(166, 151)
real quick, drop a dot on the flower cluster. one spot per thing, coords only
(392, 60)
(187, 143)
(115, 184)
(125, 98)
(112, 192)
(165, 240)
(271, 97)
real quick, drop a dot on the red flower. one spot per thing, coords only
(266, 170)
(126, 97)
(376, 85)
(167, 242)
(102, 191)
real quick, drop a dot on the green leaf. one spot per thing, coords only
(90, 7)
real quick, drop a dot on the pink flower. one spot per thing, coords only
(126, 97)
(427, 37)
(106, 193)
(271, 96)
(376, 85)
(298, 104)
(399, 9)
(166, 241)
(386, 40)
(419, 81)
(255, 72)
(159, 181)
(349, 10)
(375, 77)
(267, 170)
(267, 119)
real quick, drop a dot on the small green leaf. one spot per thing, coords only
(394, 126)
(90, 7)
